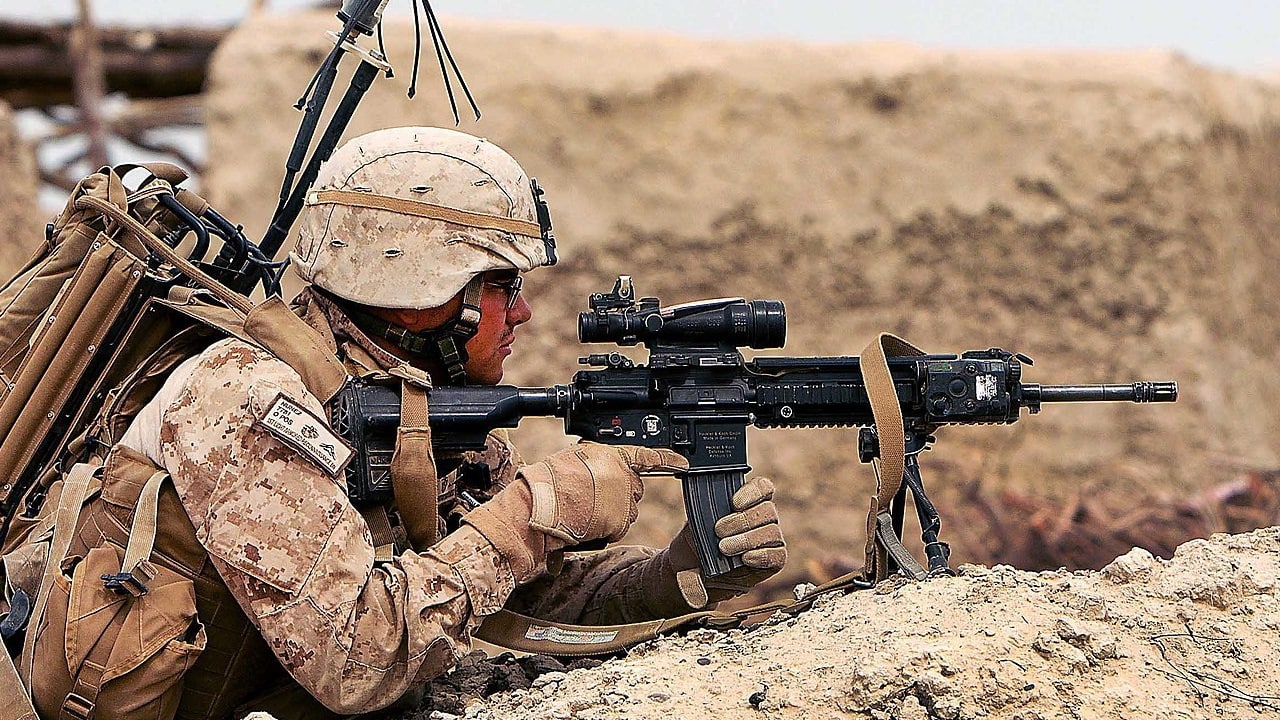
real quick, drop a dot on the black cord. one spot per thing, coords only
(437, 35)
(436, 40)
(382, 48)
(417, 50)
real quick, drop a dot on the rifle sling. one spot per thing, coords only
(889, 467)
(892, 545)
(526, 634)
(413, 469)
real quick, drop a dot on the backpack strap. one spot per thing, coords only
(70, 501)
(15, 701)
(135, 567)
(272, 325)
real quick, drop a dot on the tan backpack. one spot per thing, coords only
(89, 329)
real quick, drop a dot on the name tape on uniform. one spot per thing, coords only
(300, 429)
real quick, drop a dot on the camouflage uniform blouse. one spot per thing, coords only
(299, 559)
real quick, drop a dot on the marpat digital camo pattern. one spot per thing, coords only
(299, 559)
(388, 259)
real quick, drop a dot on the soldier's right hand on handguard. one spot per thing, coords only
(579, 494)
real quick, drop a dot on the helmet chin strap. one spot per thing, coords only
(445, 345)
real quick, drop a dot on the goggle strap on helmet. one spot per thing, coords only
(417, 208)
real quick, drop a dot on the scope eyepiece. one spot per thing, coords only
(732, 322)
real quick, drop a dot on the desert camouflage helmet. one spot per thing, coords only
(405, 217)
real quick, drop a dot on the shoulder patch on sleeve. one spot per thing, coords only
(299, 428)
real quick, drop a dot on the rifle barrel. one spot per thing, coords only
(1138, 392)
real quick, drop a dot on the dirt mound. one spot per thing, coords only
(20, 216)
(1111, 215)
(1144, 638)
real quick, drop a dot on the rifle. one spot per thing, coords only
(697, 395)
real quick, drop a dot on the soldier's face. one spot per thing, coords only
(502, 308)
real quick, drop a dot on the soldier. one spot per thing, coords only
(412, 244)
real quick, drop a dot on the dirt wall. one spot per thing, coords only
(20, 217)
(1110, 215)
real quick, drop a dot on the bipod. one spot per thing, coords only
(938, 553)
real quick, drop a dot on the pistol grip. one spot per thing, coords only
(707, 494)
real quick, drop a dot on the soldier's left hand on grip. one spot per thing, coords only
(579, 494)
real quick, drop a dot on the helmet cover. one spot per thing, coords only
(406, 217)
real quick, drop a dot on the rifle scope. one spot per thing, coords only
(757, 324)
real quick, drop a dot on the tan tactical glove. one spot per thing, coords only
(582, 493)
(752, 531)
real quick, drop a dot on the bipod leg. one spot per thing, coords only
(897, 512)
(938, 553)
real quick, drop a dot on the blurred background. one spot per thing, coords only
(1092, 184)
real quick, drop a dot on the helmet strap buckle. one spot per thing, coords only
(448, 341)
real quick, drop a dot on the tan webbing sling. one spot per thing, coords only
(882, 541)
(413, 468)
(531, 635)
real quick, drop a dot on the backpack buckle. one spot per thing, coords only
(78, 707)
(133, 582)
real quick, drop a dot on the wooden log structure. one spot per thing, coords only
(36, 69)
